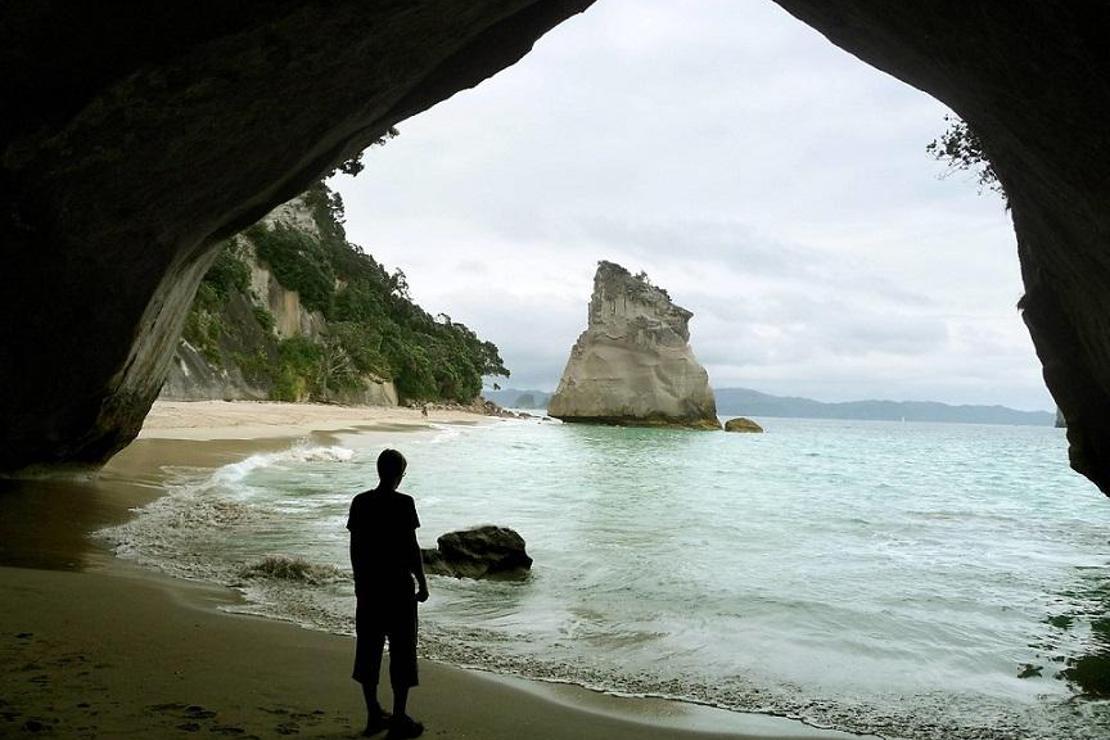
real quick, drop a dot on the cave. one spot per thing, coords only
(134, 141)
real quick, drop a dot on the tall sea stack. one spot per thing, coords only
(633, 365)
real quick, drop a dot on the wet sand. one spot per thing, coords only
(91, 646)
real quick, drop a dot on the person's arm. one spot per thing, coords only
(357, 551)
(353, 546)
(418, 570)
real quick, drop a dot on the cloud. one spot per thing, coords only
(775, 185)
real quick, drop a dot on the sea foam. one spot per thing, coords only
(286, 568)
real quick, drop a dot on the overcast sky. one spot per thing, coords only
(776, 186)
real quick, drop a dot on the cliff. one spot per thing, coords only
(291, 311)
(633, 364)
(248, 319)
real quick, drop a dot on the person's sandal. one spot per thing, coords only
(404, 727)
(377, 723)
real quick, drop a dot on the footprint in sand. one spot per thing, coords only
(195, 711)
(38, 724)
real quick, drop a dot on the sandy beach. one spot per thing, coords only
(208, 420)
(91, 646)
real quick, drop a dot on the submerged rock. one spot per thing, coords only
(740, 424)
(633, 364)
(481, 552)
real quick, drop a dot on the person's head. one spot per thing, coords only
(391, 468)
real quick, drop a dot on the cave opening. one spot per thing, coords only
(116, 187)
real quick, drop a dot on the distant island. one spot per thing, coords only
(748, 402)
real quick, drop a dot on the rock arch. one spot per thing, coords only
(131, 143)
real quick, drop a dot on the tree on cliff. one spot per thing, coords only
(355, 165)
(963, 151)
(373, 329)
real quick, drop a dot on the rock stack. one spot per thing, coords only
(633, 365)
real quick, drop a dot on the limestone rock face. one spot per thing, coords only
(291, 319)
(633, 364)
(192, 378)
(371, 392)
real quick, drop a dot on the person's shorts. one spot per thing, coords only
(376, 621)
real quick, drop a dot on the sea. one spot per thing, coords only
(917, 580)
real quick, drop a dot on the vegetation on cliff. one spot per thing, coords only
(962, 149)
(372, 328)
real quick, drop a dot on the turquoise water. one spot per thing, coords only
(871, 576)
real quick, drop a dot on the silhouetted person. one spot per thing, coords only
(389, 580)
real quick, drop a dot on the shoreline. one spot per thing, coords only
(179, 663)
(252, 420)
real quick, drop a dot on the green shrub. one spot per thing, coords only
(204, 324)
(257, 368)
(229, 272)
(363, 344)
(264, 318)
(298, 365)
(298, 262)
(203, 330)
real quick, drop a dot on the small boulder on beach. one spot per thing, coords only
(481, 552)
(740, 424)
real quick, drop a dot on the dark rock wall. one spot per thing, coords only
(134, 139)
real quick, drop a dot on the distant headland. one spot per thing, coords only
(748, 402)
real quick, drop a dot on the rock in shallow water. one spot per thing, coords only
(740, 424)
(481, 552)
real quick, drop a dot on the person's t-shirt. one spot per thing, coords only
(381, 525)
